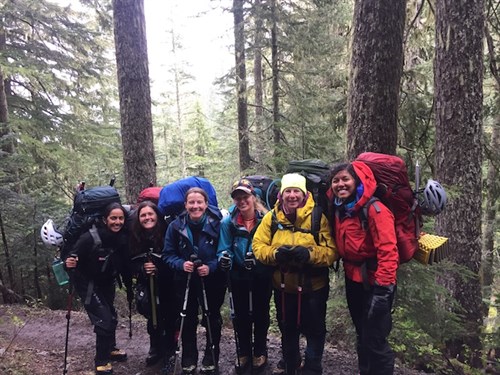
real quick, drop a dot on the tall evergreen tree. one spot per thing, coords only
(135, 95)
(375, 73)
(241, 85)
(458, 92)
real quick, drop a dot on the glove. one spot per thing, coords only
(249, 262)
(283, 255)
(300, 254)
(225, 262)
(381, 301)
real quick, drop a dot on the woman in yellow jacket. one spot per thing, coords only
(287, 240)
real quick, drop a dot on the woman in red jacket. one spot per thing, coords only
(367, 246)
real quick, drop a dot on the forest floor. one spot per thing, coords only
(32, 341)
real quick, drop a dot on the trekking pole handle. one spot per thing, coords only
(196, 261)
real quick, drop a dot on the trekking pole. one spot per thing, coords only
(68, 316)
(232, 313)
(299, 297)
(130, 318)
(417, 188)
(152, 291)
(183, 316)
(197, 263)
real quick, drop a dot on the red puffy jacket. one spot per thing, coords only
(375, 244)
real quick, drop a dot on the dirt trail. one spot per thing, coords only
(32, 342)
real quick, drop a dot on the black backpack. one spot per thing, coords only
(88, 208)
(266, 188)
(317, 174)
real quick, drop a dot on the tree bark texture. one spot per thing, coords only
(492, 181)
(279, 163)
(257, 77)
(375, 74)
(241, 85)
(458, 75)
(135, 96)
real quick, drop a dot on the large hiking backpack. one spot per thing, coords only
(395, 192)
(88, 208)
(151, 193)
(266, 188)
(171, 202)
(317, 175)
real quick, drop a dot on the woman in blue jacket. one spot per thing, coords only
(250, 280)
(191, 249)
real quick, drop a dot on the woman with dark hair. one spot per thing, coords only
(190, 249)
(154, 282)
(97, 260)
(370, 258)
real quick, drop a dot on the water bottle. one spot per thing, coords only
(59, 271)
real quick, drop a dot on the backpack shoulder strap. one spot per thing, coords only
(364, 211)
(95, 236)
(315, 224)
(316, 221)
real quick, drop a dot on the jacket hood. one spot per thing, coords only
(366, 176)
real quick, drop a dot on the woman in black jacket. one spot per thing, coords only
(154, 282)
(96, 262)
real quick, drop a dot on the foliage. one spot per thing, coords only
(62, 125)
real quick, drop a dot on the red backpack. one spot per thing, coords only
(394, 191)
(151, 193)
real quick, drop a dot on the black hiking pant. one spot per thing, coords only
(312, 325)
(162, 337)
(259, 318)
(375, 356)
(98, 301)
(215, 287)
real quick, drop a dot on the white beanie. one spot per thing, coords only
(294, 180)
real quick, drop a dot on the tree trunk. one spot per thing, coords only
(375, 74)
(278, 151)
(135, 96)
(241, 85)
(492, 183)
(458, 91)
(257, 78)
(8, 259)
(182, 146)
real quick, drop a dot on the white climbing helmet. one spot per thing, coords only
(50, 235)
(434, 198)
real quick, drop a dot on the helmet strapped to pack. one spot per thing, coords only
(50, 235)
(434, 198)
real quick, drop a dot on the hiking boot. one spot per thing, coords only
(280, 367)
(189, 364)
(153, 356)
(207, 364)
(118, 355)
(241, 364)
(188, 370)
(259, 362)
(104, 369)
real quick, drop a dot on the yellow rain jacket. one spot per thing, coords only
(313, 275)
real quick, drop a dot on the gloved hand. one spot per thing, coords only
(249, 262)
(225, 261)
(300, 254)
(381, 301)
(283, 255)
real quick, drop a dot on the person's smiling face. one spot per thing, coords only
(292, 198)
(195, 205)
(115, 220)
(343, 184)
(148, 217)
(244, 201)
